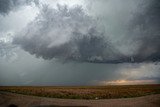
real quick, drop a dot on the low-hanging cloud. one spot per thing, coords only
(71, 34)
(65, 33)
(117, 37)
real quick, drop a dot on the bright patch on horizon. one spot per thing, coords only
(127, 82)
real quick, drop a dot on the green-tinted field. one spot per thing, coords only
(86, 92)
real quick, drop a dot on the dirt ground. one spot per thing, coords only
(17, 100)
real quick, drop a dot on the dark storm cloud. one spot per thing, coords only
(71, 34)
(145, 28)
(66, 33)
(100, 35)
(8, 5)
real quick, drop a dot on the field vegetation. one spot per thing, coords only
(85, 92)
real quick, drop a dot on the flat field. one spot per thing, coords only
(85, 92)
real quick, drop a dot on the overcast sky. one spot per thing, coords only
(79, 42)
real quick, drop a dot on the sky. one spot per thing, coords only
(79, 42)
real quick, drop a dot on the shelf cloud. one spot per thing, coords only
(69, 33)
(66, 33)
(79, 42)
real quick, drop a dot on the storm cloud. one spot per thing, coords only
(66, 33)
(145, 30)
(9, 5)
(70, 33)
(79, 42)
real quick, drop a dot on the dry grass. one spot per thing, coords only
(86, 92)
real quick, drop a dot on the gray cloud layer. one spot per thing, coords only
(145, 28)
(70, 34)
(8, 5)
(66, 33)
(107, 31)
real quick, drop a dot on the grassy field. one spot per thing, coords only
(86, 92)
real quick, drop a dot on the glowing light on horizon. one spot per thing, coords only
(127, 82)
